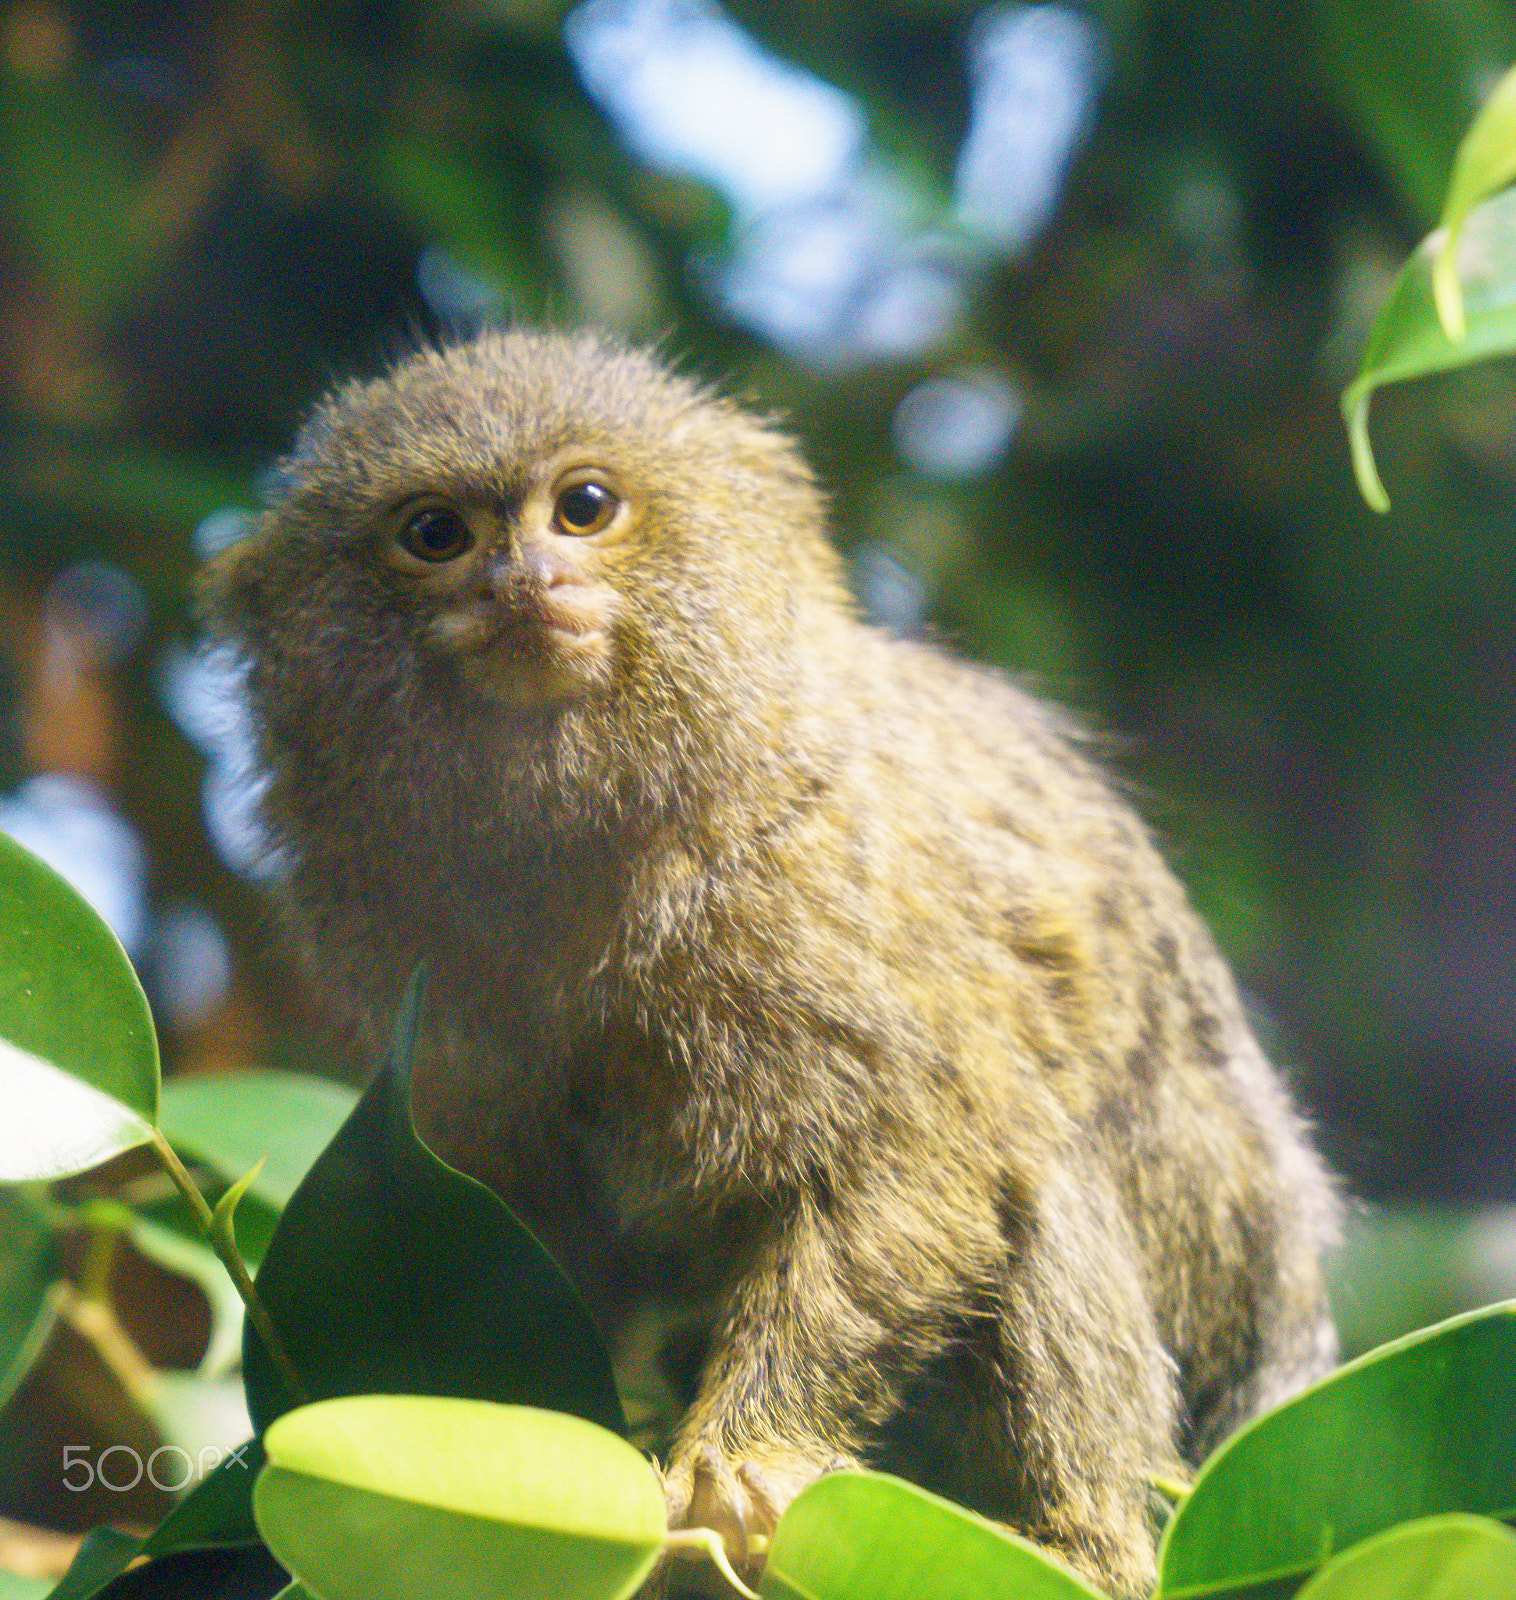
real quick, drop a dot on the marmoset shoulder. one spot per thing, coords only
(813, 958)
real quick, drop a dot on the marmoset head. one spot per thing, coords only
(543, 544)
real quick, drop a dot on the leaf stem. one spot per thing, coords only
(222, 1242)
(96, 1322)
(99, 1257)
(708, 1543)
(1171, 1486)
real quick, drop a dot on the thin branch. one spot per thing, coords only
(222, 1242)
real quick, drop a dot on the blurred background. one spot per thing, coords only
(1061, 299)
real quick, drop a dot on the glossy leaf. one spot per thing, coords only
(60, 1125)
(390, 1272)
(1423, 1426)
(20, 1586)
(28, 1273)
(233, 1120)
(241, 1572)
(856, 1534)
(104, 1555)
(1438, 1558)
(401, 1497)
(78, 1054)
(1408, 340)
(1486, 164)
(216, 1514)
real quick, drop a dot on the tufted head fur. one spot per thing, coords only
(595, 676)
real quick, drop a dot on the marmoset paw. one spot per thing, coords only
(741, 1500)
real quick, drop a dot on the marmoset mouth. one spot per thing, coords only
(553, 646)
(570, 616)
(581, 610)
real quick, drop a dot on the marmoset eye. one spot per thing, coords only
(436, 534)
(584, 508)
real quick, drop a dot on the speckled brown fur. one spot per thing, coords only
(825, 959)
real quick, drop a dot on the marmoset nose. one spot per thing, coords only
(509, 576)
(498, 575)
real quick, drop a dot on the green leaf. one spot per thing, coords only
(18, 1586)
(78, 1054)
(233, 1120)
(1423, 1426)
(1408, 340)
(217, 1514)
(856, 1534)
(1438, 1558)
(242, 1572)
(1486, 163)
(390, 1272)
(104, 1555)
(29, 1271)
(400, 1497)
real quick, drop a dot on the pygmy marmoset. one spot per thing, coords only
(762, 942)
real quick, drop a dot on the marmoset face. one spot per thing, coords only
(530, 565)
(514, 589)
